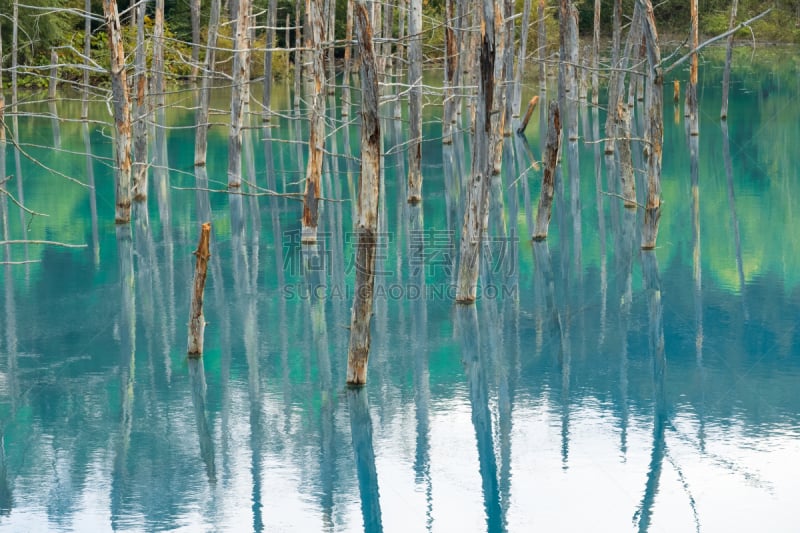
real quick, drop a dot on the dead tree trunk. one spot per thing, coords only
(348, 59)
(53, 85)
(298, 54)
(726, 75)
(197, 322)
(528, 114)
(122, 114)
(240, 94)
(542, 45)
(368, 201)
(568, 63)
(482, 163)
(201, 121)
(623, 133)
(691, 95)
(195, 18)
(451, 72)
(616, 84)
(654, 136)
(316, 138)
(551, 154)
(87, 49)
(521, 58)
(596, 54)
(266, 99)
(415, 101)
(139, 179)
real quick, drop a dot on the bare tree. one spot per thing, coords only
(368, 202)
(201, 120)
(415, 101)
(140, 163)
(726, 75)
(122, 113)
(240, 95)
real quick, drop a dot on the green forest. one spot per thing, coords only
(45, 26)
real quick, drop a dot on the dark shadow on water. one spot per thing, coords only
(197, 378)
(361, 432)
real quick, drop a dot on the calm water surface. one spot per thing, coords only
(592, 388)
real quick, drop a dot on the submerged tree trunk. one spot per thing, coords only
(201, 121)
(451, 72)
(551, 156)
(139, 179)
(542, 44)
(197, 322)
(655, 128)
(348, 59)
(87, 50)
(415, 101)
(316, 137)
(482, 163)
(368, 202)
(528, 114)
(240, 93)
(726, 75)
(596, 54)
(122, 114)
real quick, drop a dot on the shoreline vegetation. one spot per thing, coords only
(59, 33)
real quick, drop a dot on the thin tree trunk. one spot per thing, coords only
(330, 37)
(139, 185)
(596, 55)
(528, 114)
(522, 57)
(51, 89)
(240, 92)
(542, 45)
(551, 155)
(508, 77)
(623, 134)
(201, 122)
(450, 70)
(195, 19)
(122, 113)
(348, 59)
(266, 99)
(691, 95)
(397, 65)
(87, 50)
(415, 101)
(569, 62)
(298, 54)
(726, 75)
(655, 128)
(616, 84)
(498, 101)
(368, 202)
(316, 139)
(197, 322)
(482, 163)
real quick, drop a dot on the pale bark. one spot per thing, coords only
(654, 130)
(522, 57)
(528, 114)
(122, 114)
(197, 322)
(415, 101)
(551, 156)
(482, 163)
(316, 139)
(195, 20)
(616, 84)
(542, 45)
(596, 54)
(266, 99)
(726, 75)
(451, 72)
(691, 94)
(366, 226)
(348, 59)
(240, 94)
(53, 85)
(139, 179)
(330, 37)
(298, 54)
(87, 50)
(627, 179)
(201, 120)
(569, 60)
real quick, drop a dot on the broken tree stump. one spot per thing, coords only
(197, 322)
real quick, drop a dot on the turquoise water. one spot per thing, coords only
(592, 388)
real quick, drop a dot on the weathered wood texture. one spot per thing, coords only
(528, 114)
(542, 46)
(195, 21)
(197, 322)
(240, 92)
(482, 163)
(654, 136)
(626, 175)
(201, 120)
(266, 95)
(348, 61)
(140, 163)
(316, 139)
(616, 84)
(521, 57)
(596, 54)
(451, 72)
(122, 114)
(691, 94)
(415, 101)
(366, 226)
(551, 156)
